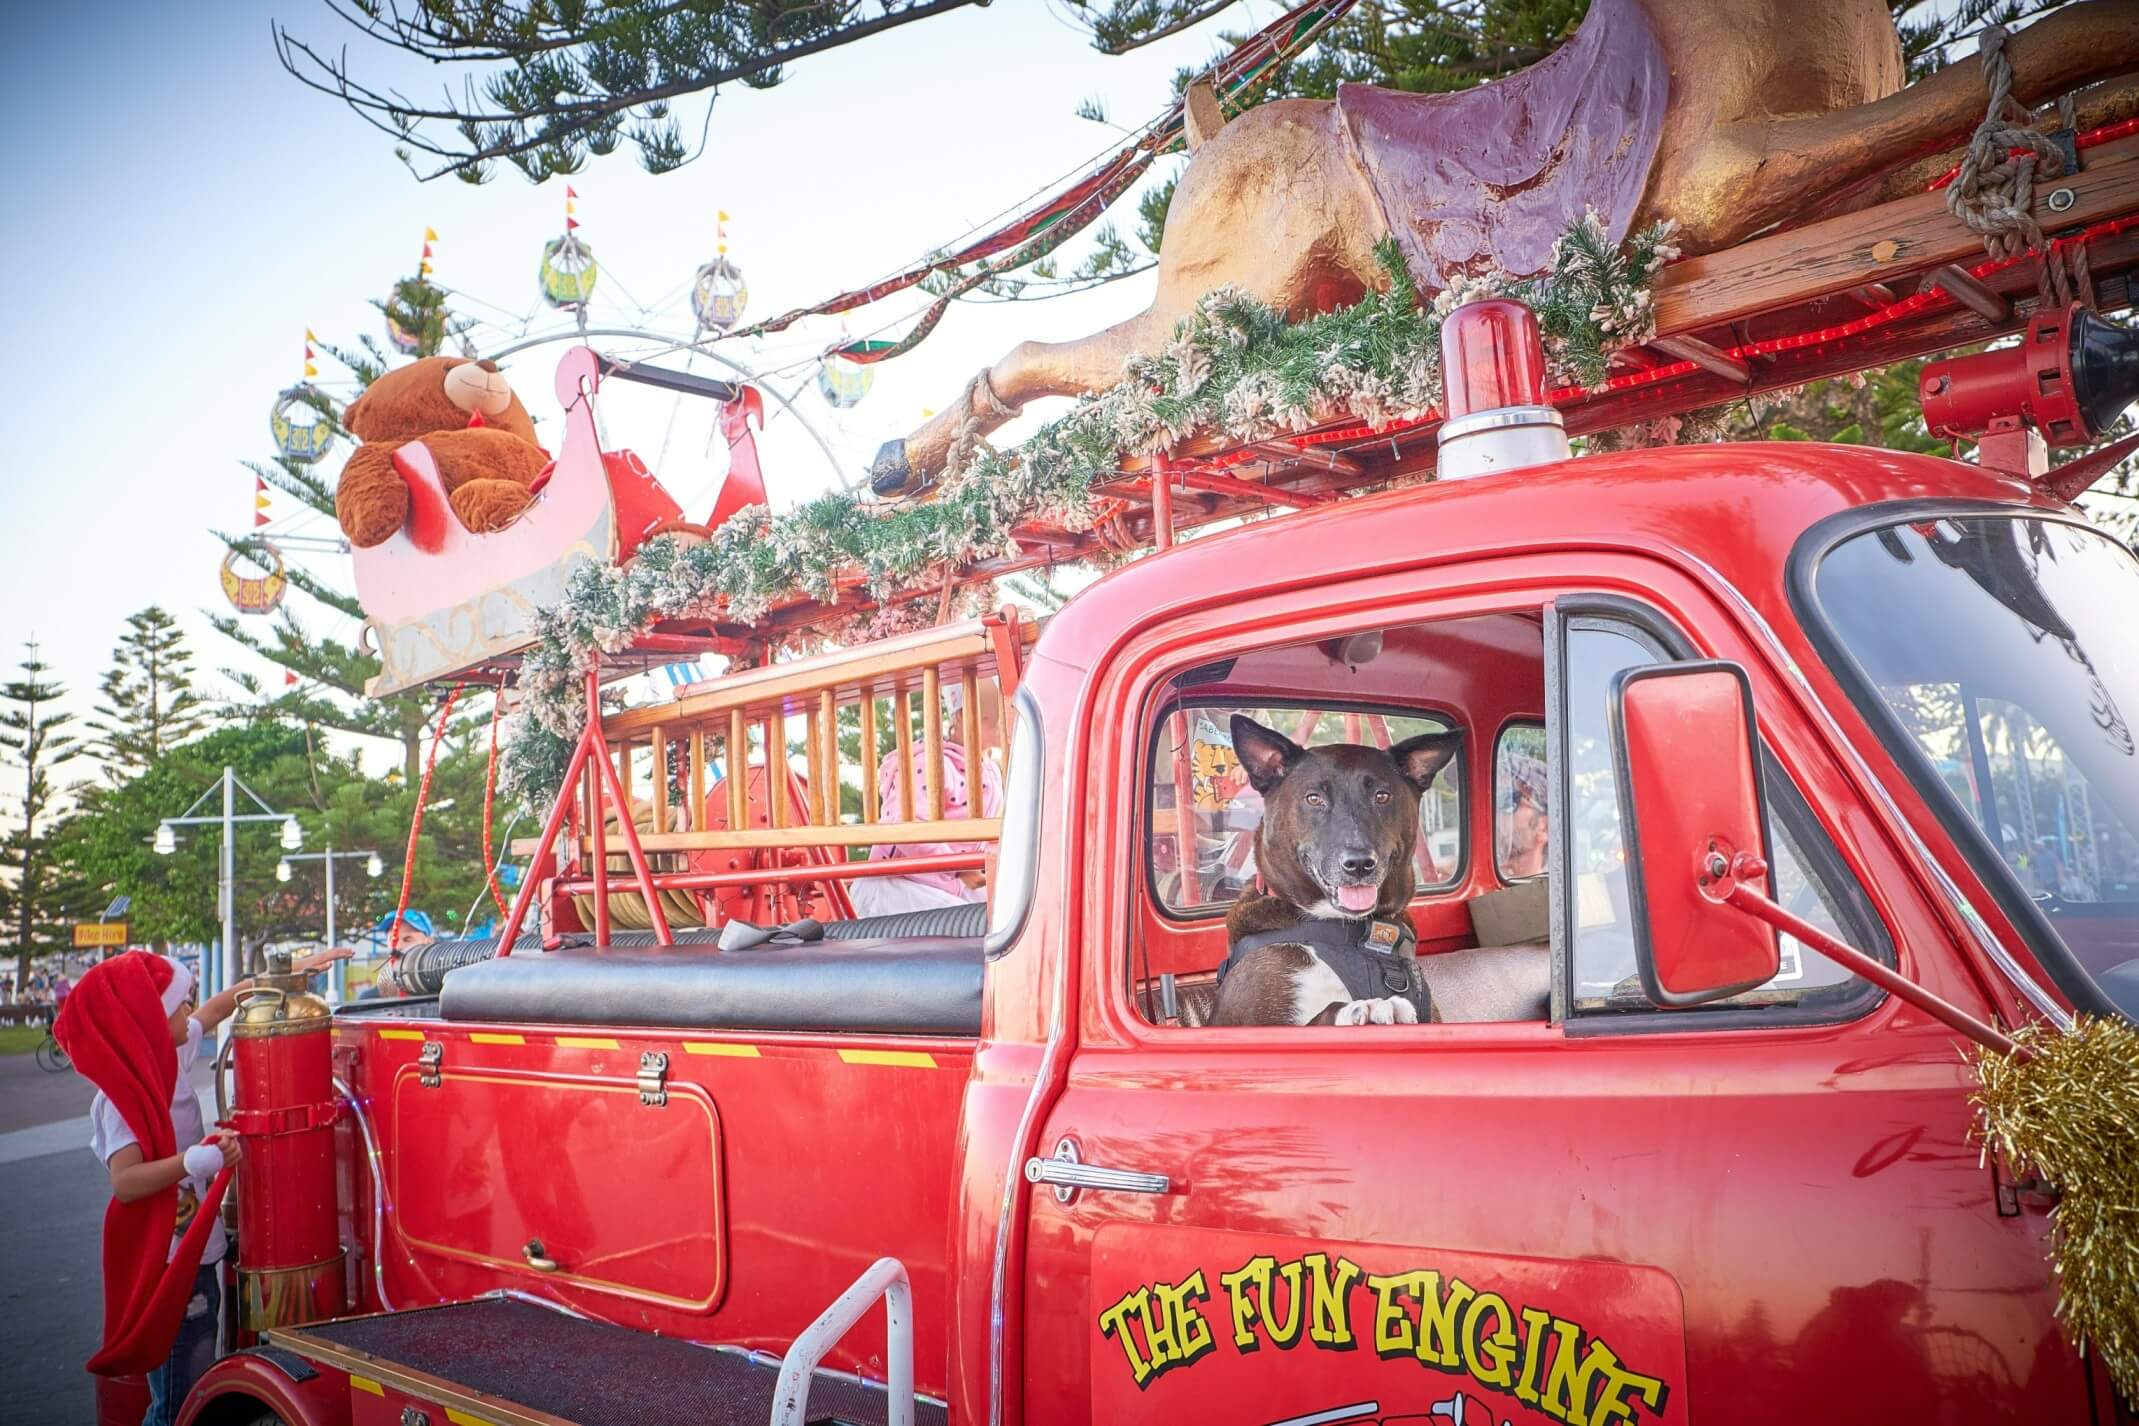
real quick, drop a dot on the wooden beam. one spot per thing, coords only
(1967, 289)
(660, 746)
(951, 829)
(869, 757)
(828, 720)
(932, 739)
(737, 750)
(698, 818)
(1706, 357)
(1875, 245)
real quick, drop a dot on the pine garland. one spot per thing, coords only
(1234, 368)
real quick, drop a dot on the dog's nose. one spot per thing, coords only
(1359, 863)
(488, 365)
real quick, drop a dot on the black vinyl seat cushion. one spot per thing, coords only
(911, 985)
(970, 919)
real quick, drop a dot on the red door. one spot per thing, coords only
(1765, 1211)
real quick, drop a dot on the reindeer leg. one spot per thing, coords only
(1272, 204)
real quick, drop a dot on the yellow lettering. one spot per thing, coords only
(1486, 1355)
(1394, 1335)
(1439, 1318)
(1567, 1388)
(1329, 1317)
(1186, 1334)
(1114, 1322)
(1612, 1407)
(1536, 1324)
(1254, 1273)
(1285, 1333)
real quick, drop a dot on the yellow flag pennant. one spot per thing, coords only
(311, 370)
(259, 502)
(309, 335)
(430, 235)
(723, 215)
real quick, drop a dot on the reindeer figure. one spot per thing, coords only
(1726, 115)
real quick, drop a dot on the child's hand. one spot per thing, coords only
(232, 1146)
(311, 965)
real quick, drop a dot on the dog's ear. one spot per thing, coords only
(1420, 758)
(1266, 754)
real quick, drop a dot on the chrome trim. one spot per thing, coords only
(378, 1192)
(1068, 1173)
(1970, 919)
(1500, 418)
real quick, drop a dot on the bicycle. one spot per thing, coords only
(50, 1057)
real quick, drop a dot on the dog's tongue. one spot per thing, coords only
(1358, 898)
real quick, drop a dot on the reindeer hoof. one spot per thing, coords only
(889, 473)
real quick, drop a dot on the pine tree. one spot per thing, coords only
(29, 730)
(149, 704)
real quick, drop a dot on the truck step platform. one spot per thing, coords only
(502, 1360)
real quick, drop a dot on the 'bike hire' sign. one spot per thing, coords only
(103, 933)
(1364, 1333)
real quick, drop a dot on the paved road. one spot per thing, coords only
(54, 1192)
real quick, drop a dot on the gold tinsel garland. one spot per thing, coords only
(2067, 1106)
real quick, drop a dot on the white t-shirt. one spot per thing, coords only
(108, 1134)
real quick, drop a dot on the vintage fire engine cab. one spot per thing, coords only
(986, 1162)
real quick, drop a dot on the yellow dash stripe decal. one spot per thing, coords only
(365, 1383)
(908, 1059)
(401, 1034)
(462, 1418)
(586, 1042)
(492, 1037)
(719, 1047)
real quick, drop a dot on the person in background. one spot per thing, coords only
(1521, 825)
(133, 1028)
(62, 987)
(887, 895)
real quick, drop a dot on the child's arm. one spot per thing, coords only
(217, 1008)
(134, 1177)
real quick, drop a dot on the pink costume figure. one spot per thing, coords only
(886, 895)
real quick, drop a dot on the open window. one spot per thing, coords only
(1375, 687)
(1595, 641)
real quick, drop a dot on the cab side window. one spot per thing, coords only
(1522, 821)
(1810, 877)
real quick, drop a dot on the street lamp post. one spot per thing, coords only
(372, 867)
(226, 873)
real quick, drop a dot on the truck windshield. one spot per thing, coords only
(1997, 651)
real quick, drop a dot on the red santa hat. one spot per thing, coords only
(116, 1028)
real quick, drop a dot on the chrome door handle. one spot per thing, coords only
(1069, 1173)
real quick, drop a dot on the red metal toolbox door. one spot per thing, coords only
(564, 1178)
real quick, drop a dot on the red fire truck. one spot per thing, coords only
(983, 1162)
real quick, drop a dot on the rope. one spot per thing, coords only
(490, 792)
(984, 411)
(1996, 187)
(415, 826)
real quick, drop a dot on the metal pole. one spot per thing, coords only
(230, 883)
(335, 982)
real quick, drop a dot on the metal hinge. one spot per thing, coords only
(653, 1077)
(428, 1061)
(410, 1416)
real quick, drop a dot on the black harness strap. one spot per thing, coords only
(1374, 958)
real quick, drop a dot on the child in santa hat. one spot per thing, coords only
(133, 1027)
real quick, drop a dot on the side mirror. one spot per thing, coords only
(1690, 801)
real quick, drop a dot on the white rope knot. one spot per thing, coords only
(1994, 192)
(985, 411)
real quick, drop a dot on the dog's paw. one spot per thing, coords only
(1393, 1011)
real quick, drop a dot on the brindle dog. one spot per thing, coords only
(1339, 826)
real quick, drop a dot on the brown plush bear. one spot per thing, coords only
(477, 431)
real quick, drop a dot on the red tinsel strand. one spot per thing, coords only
(415, 826)
(490, 792)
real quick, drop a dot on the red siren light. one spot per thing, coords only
(2069, 379)
(1493, 373)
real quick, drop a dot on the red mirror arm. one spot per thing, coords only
(1739, 886)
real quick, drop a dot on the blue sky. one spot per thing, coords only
(184, 210)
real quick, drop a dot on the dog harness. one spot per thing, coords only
(1372, 957)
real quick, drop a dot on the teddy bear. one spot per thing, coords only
(464, 412)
